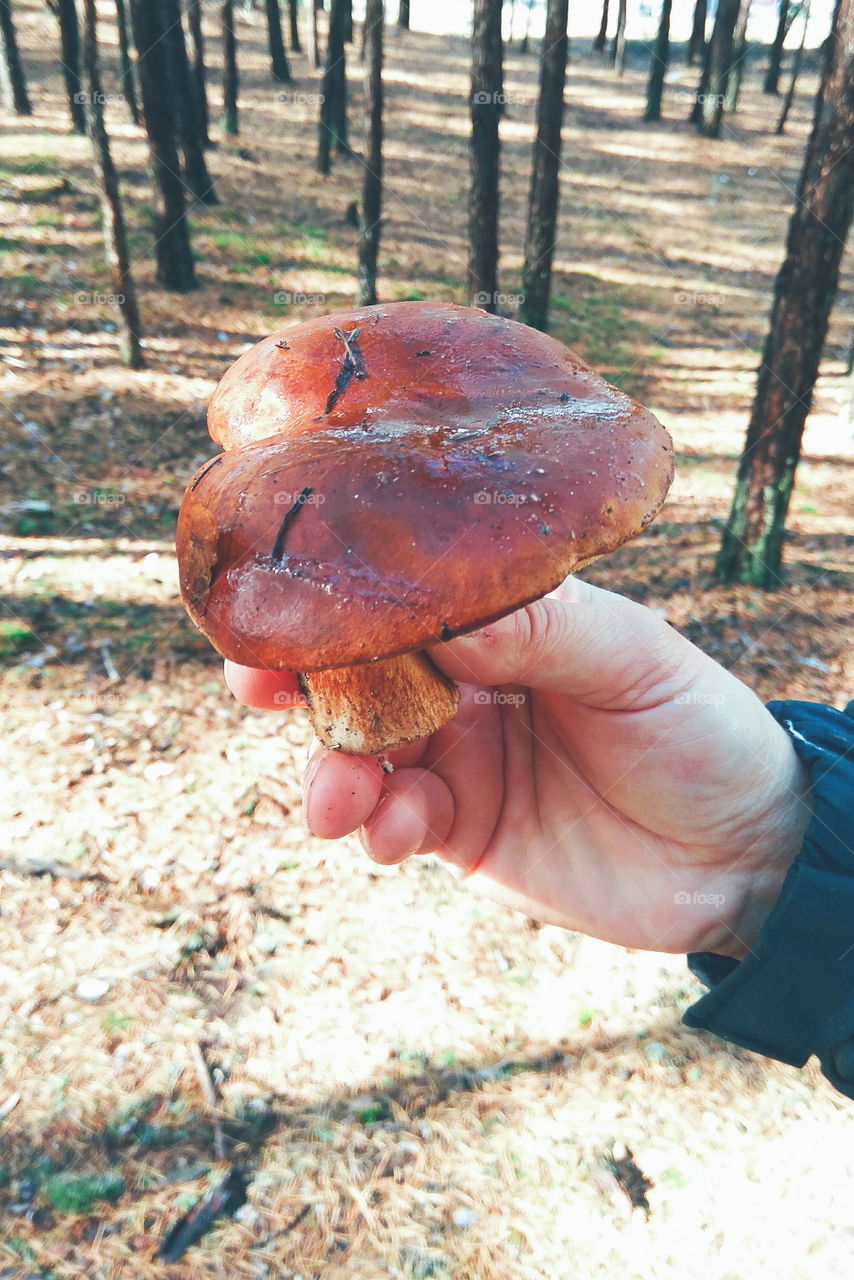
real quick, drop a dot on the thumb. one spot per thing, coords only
(579, 640)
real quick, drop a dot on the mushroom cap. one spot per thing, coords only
(464, 467)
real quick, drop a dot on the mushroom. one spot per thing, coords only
(394, 476)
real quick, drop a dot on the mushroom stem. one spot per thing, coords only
(375, 707)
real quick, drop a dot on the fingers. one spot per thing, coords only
(415, 815)
(580, 641)
(340, 792)
(267, 690)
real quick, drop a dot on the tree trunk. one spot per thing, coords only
(618, 47)
(279, 68)
(292, 16)
(333, 107)
(720, 65)
(125, 64)
(115, 238)
(796, 71)
(197, 44)
(697, 40)
(803, 297)
(486, 81)
(183, 92)
(658, 67)
(526, 38)
(175, 268)
(739, 56)
(372, 185)
(602, 38)
(230, 117)
(13, 84)
(545, 172)
(771, 83)
(403, 16)
(69, 39)
(313, 41)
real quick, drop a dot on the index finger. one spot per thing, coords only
(266, 690)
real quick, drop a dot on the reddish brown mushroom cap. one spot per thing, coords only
(383, 492)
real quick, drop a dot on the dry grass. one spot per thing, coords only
(433, 1077)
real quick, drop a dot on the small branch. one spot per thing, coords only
(208, 1090)
(352, 366)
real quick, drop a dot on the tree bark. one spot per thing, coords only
(69, 39)
(197, 44)
(720, 65)
(796, 71)
(279, 68)
(602, 37)
(125, 63)
(545, 172)
(739, 55)
(697, 40)
(372, 184)
(115, 237)
(332, 129)
(526, 38)
(771, 83)
(183, 92)
(618, 47)
(403, 16)
(13, 84)
(348, 21)
(230, 114)
(804, 293)
(294, 25)
(313, 41)
(658, 67)
(486, 94)
(175, 269)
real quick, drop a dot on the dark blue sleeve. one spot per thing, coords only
(793, 996)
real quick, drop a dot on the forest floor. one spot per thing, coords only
(435, 1081)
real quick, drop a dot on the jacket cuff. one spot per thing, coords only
(793, 996)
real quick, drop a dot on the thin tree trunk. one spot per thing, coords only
(13, 84)
(660, 61)
(175, 268)
(618, 47)
(230, 115)
(279, 68)
(803, 297)
(372, 184)
(197, 44)
(125, 64)
(69, 39)
(348, 21)
(402, 16)
(526, 38)
(182, 87)
(486, 82)
(313, 40)
(796, 71)
(602, 38)
(701, 95)
(771, 83)
(739, 57)
(294, 25)
(115, 238)
(545, 172)
(697, 40)
(333, 107)
(720, 66)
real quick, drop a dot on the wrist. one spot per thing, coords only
(759, 875)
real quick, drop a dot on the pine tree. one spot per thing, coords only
(697, 40)
(545, 172)
(659, 64)
(486, 95)
(230, 82)
(719, 66)
(13, 84)
(739, 57)
(279, 68)
(115, 237)
(69, 41)
(183, 93)
(602, 36)
(372, 183)
(332, 129)
(197, 45)
(771, 83)
(618, 46)
(804, 293)
(126, 75)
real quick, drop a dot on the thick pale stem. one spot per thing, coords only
(373, 708)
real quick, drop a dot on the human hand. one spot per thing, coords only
(602, 774)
